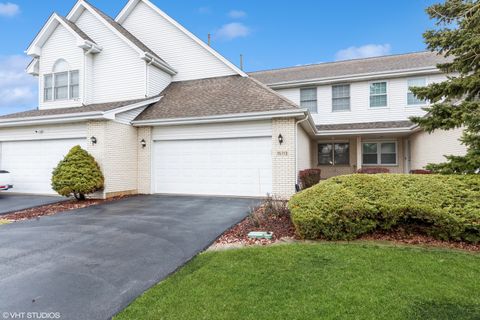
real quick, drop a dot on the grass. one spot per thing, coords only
(318, 281)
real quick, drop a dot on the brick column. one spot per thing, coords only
(283, 158)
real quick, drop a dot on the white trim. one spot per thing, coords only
(222, 118)
(346, 132)
(352, 78)
(34, 50)
(74, 117)
(370, 95)
(131, 5)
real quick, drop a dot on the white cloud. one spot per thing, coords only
(232, 30)
(18, 90)
(9, 9)
(368, 50)
(237, 14)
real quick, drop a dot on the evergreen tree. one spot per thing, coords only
(77, 174)
(455, 101)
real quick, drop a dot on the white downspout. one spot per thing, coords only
(84, 84)
(296, 146)
(147, 76)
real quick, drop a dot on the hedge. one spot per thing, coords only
(345, 207)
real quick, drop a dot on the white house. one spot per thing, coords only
(162, 112)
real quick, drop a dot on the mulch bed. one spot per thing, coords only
(51, 209)
(281, 226)
(283, 229)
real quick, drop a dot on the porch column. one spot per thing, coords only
(359, 152)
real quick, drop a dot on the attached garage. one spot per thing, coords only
(35, 153)
(214, 159)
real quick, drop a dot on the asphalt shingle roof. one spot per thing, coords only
(65, 111)
(350, 67)
(366, 125)
(215, 96)
(75, 28)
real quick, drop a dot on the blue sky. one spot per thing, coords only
(269, 33)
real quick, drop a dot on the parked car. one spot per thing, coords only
(5, 180)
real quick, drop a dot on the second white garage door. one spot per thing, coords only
(234, 166)
(31, 162)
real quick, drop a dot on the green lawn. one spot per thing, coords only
(318, 281)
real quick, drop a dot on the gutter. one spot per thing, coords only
(223, 118)
(359, 77)
(150, 59)
(325, 133)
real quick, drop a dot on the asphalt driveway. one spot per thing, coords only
(16, 202)
(92, 262)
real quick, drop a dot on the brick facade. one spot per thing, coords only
(144, 155)
(283, 158)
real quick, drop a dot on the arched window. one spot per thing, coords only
(62, 83)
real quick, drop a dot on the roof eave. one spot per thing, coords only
(352, 132)
(357, 77)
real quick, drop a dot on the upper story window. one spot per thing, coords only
(411, 98)
(62, 83)
(341, 97)
(308, 99)
(378, 94)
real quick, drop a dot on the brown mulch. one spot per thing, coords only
(51, 209)
(281, 226)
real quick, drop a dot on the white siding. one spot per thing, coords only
(44, 132)
(217, 130)
(128, 116)
(180, 51)
(360, 111)
(61, 45)
(157, 80)
(304, 154)
(119, 73)
(428, 148)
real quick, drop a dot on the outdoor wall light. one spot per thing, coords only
(280, 138)
(93, 140)
(143, 143)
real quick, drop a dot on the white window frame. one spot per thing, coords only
(370, 95)
(53, 75)
(316, 96)
(333, 153)
(379, 153)
(349, 97)
(408, 91)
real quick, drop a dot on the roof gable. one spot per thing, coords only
(143, 51)
(55, 20)
(132, 4)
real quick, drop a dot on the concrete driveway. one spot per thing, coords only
(91, 263)
(15, 202)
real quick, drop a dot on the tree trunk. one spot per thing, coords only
(79, 196)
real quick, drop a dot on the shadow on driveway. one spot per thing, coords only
(91, 263)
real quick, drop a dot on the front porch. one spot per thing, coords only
(339, 155)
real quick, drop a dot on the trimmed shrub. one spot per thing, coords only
(446, 207)
(77, 174)
(309, 177)
(421, 171)
(373, 170)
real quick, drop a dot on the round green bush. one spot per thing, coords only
(77, 174)
(345, 207)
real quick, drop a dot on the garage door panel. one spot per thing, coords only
(31, 162)
(240, 166)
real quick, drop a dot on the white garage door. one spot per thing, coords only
(236, 166)
(31, 162)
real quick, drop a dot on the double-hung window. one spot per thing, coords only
(378, 94)
(341, 97)
(333, 153)
(379, 153)
(411, 98)
(61, 86)
(308, 99)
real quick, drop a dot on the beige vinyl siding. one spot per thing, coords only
(118, 72)
(431, 147)
(61, 45)
(304, 152)
(191, 60)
